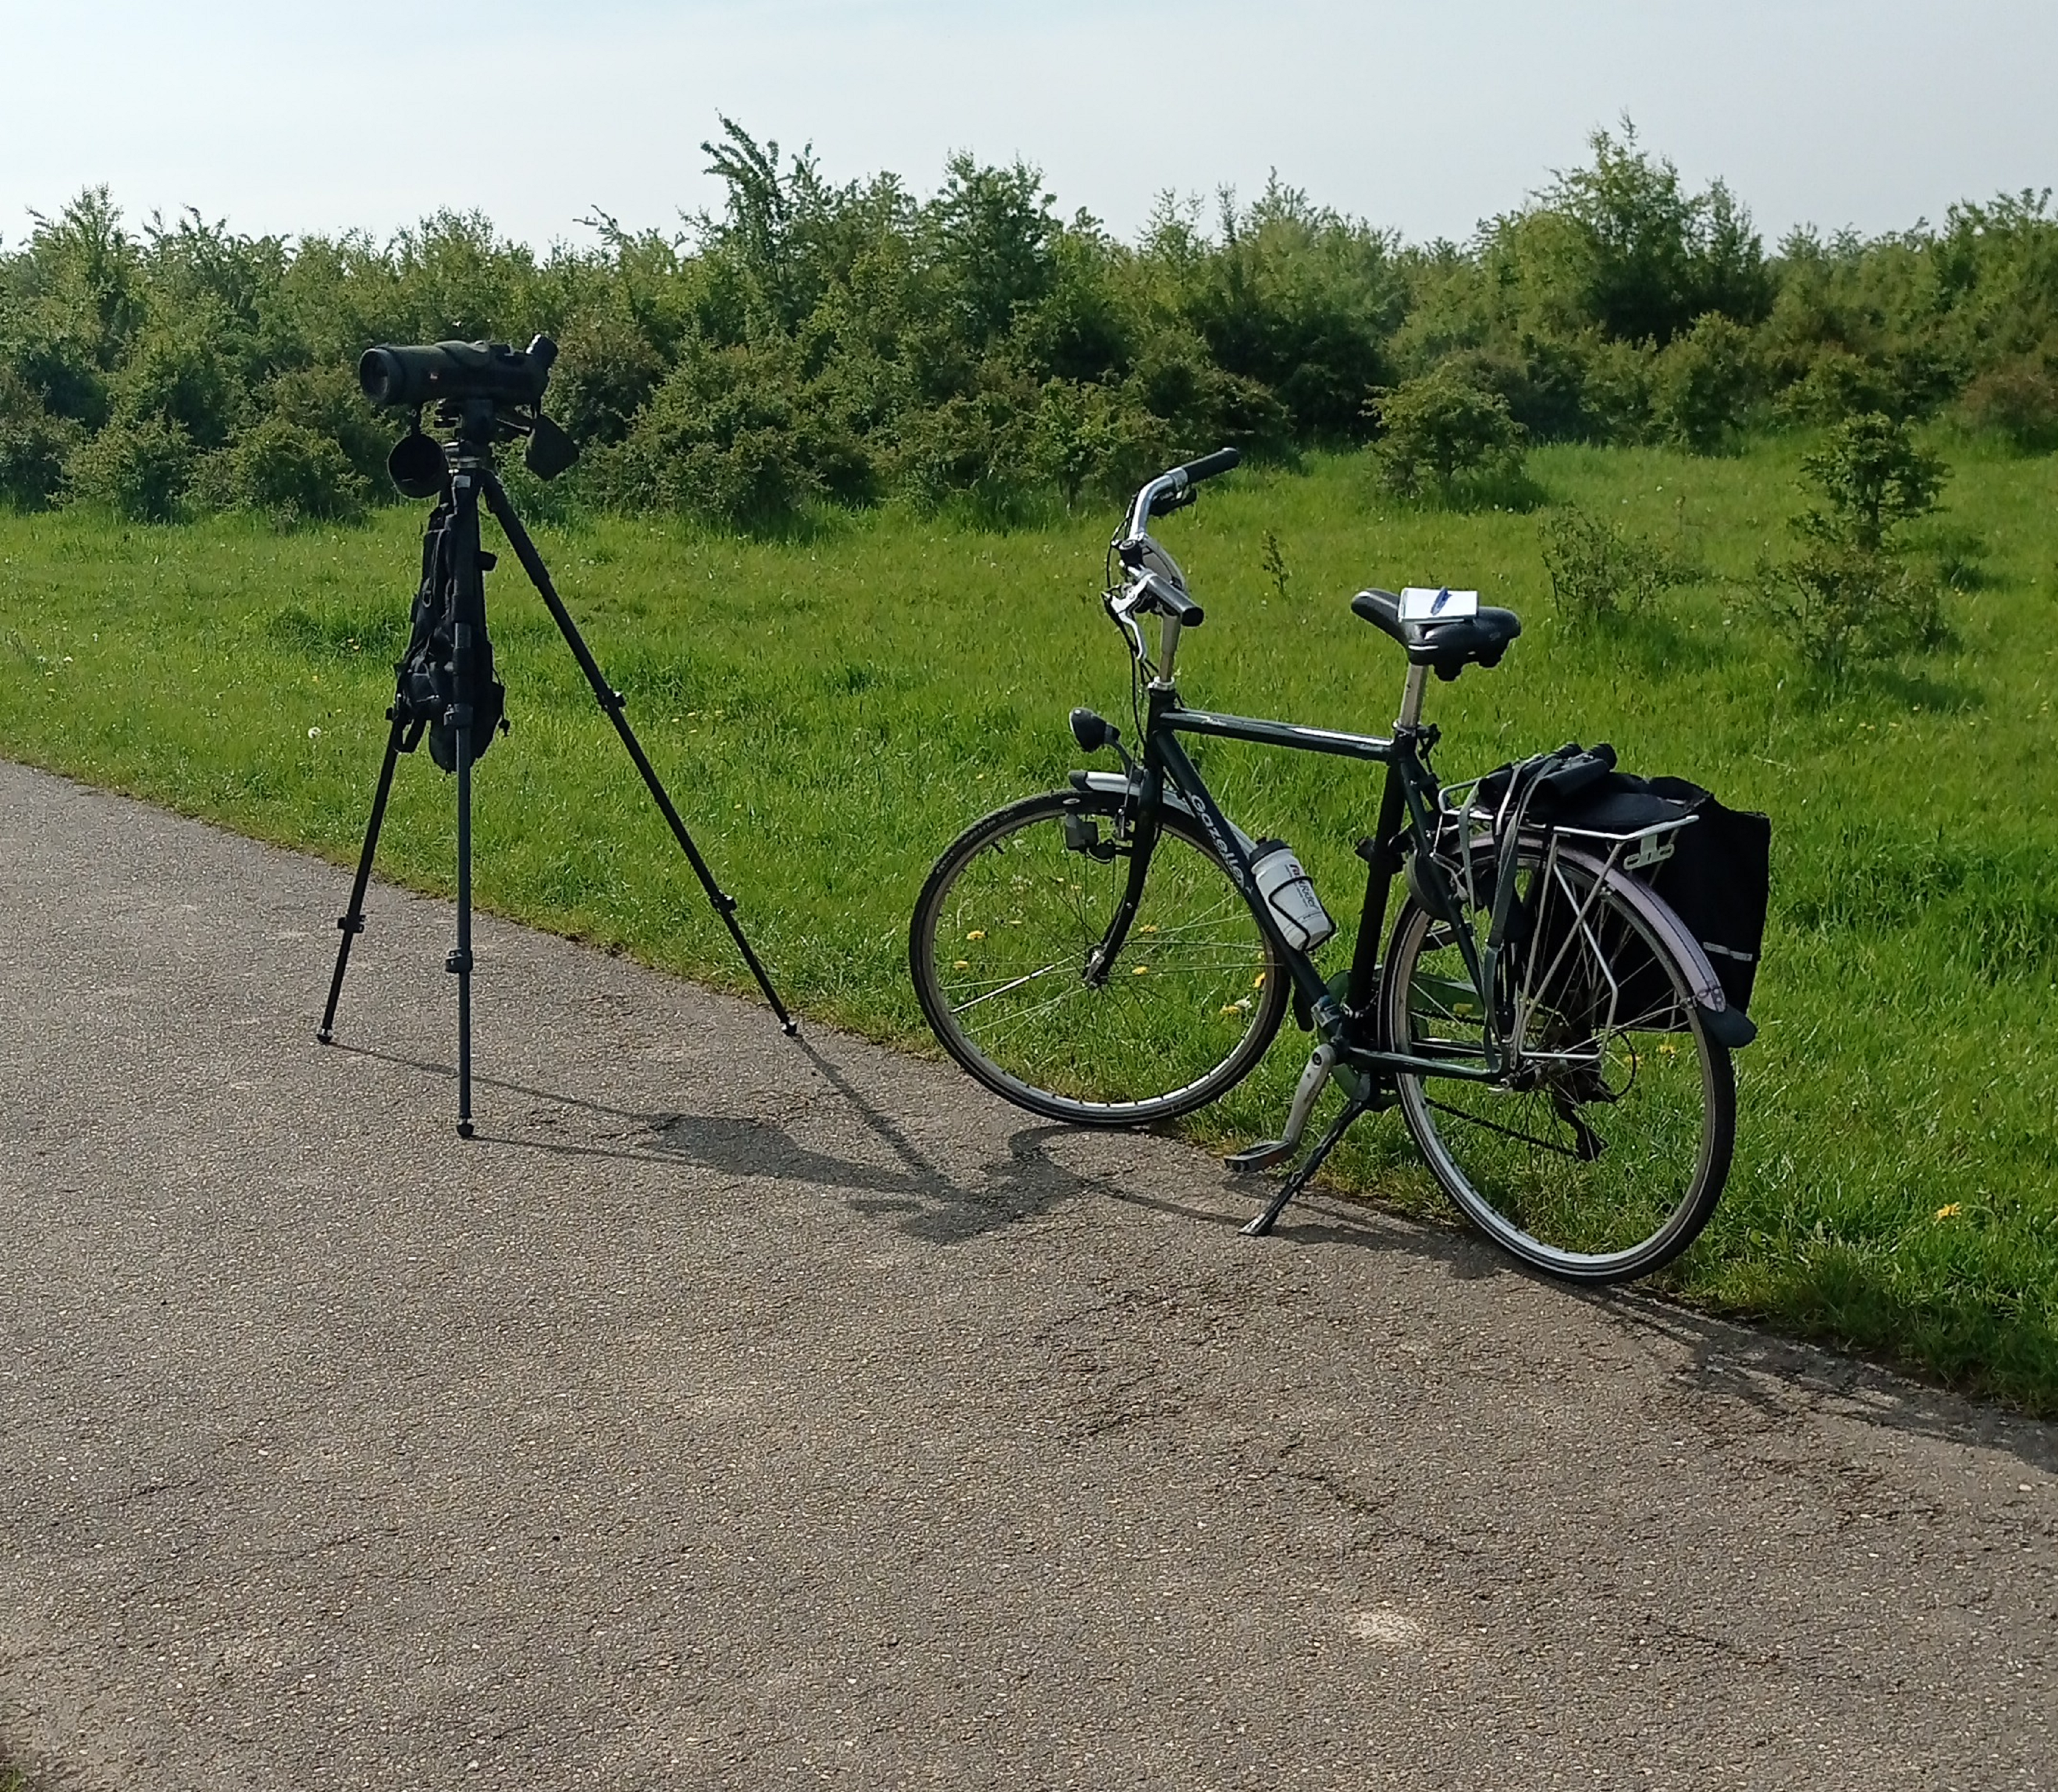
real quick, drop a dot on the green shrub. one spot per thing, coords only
(1702, 385)
(1299, 302)
(34, 445)
(1873, 480)
(732, 435)
(979, 444)
(284, 470)
(1599, 574)
(56, 363)
(812, 339)
(1644, 258)
(1838, 604)
(605, 372)
(1838, 385)
(1446, 425)
(1090, 441)
(183, 377)
(326, 399)
(2017, 401)
(1855, 590)
(1617, 391)
(137, 467)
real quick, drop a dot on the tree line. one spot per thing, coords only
(813, 343)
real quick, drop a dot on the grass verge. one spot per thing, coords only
(830, 710)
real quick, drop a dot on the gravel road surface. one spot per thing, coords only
(739, 1412)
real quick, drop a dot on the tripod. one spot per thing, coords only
(456, 700)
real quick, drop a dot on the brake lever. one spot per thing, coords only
(1122, 610)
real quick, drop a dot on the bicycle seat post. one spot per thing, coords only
(1411, 698)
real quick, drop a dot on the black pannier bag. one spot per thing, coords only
(1715, 873)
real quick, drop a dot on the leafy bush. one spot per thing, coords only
(34, 444)
(1854, 590)
(183, 377)
(731, 437)
(137, 467)
(605, 372)
(1704, 383)
(1088, 440)
(1644, 258)
(1297, 302)
(979, 444)
(2017, 401)
(1837, 386)
(1599, 574)
(327, 401)
(1873, 480)
(1446, 425)
(810, 338)
(284, 470)
(1838, 604)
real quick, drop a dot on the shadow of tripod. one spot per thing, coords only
(486, 393)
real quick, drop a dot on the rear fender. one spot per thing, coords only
(1726, 1025)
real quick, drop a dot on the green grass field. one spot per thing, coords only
(830, 711)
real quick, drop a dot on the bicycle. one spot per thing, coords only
(1119, 952)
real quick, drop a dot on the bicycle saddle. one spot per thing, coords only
(1446, 647)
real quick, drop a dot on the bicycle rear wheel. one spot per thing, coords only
(1000, 947)
(1599, 1153)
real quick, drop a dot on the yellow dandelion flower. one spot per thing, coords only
(1141, 971)
(1951, 1211)
(962, 964)
(1257, 982)
(976, 933)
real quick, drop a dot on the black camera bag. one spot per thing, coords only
(428, 673)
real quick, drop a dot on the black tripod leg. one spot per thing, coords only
(459, 961)
(1305, 1174)
(610, 700)
(352, 923)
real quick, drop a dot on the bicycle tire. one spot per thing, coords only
(1184, 1015)
(1651, 1090)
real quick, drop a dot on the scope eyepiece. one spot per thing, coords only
(437, 373)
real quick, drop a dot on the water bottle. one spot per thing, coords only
(1290, 893)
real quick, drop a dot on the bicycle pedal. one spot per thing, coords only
(1252, 1159)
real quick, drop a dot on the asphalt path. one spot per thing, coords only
(742, 1411)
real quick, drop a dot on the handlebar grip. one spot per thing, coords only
(1220, 461)
(1162, 598)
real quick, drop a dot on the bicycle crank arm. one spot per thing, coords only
(1274, 1152)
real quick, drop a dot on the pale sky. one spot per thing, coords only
(1422, 118)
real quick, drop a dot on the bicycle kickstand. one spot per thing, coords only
(1305, 1173)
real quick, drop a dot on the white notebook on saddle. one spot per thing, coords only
(1422, 603)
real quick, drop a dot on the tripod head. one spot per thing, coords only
(484, 393)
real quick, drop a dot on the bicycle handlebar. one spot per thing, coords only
(1169, 489)
(1220, 461)
(1159, 597)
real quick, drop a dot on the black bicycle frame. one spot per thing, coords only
(1407, 801)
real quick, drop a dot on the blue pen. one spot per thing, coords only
(1443, 598)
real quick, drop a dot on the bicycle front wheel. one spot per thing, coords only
(1001, 948)
(1600, 1152)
